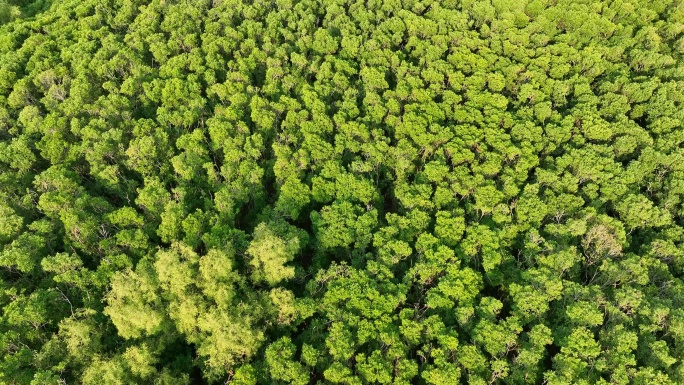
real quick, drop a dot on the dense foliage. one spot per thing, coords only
(342, 192)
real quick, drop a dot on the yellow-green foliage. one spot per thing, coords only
(342, 192)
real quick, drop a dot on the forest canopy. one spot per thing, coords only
(342, 192)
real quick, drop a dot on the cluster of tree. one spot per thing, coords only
(342, 192)
(11, 10)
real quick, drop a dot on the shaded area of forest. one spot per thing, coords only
(11, 10)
